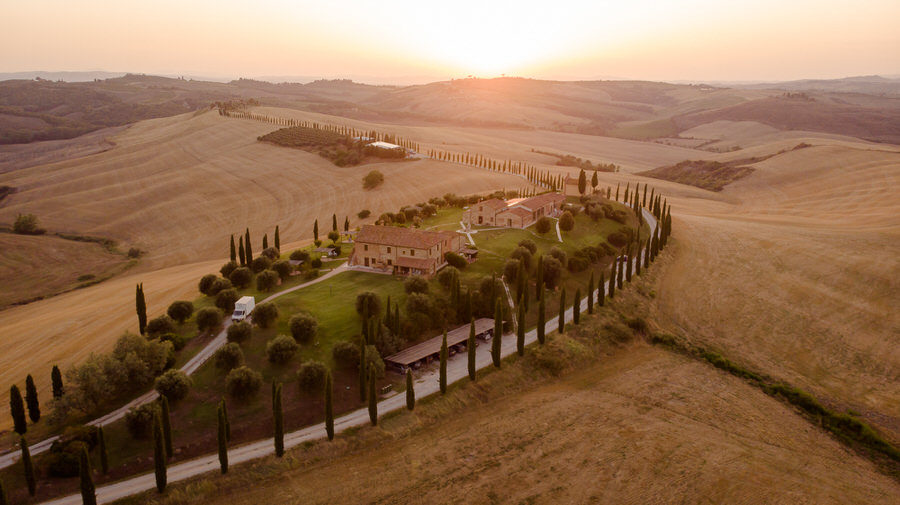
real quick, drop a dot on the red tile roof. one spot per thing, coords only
(401, 237)
(536, 202)
(424, 264)
(493, 203)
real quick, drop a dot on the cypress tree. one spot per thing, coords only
(3, 499)
(104, 453)
(590, 296)
(316, 230)
(277, 239)
(166, 424)
(637, 260)
(520, 329)
(619, 276)
(601, 290)
(539, 279)
(28, 466)
(241, 254)
(221, 438)
(88, 491)
(410, 392)
(346, 223)
(467, 308)
(329, 406)
(279, 422)
(443, 370)
(396, 319)
(612, 279)
(594, 181)
(31, 400)
(498, 333)
(334, 222)
(576, 307)
(644, 201)
(562, 311)
(582, 182)
(362, 370)
(17, 410)
(248, 249)
(542, 319)
(227, 422)
(373, 400)
(159, 454)
(233, 252)
(628, 265)
(141, 308)
(57, 381)
(617, 192)
(470, 350)
(265, 243)
(647, 254)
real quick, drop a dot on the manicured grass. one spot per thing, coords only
(447, 218)
(333, 303)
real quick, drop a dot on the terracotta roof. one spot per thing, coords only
(400, 237)
(536, 202)
(417, 263)
(519, 211)
(493, 203)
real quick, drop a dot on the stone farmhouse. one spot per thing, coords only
(515, 213)
(405, 251)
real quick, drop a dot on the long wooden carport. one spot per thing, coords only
(423, 353)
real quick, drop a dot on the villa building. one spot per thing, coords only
(515, 213)
(404, 250)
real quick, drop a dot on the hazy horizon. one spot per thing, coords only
(404, 42)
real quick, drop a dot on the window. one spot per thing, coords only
(389, 249)
(389, 262)
(366, 247)
(412, 252)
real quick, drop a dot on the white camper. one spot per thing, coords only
(243, 308)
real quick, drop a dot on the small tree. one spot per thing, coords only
(345, 354)
(520, 330)
(159, 455)
(221, 437)
(265, 242)
(594, 181)
(311, 376)
(31, 400)
(543, 225)
(612, 280)
(334, 236)
(373, 179)
(208, 318)
(232, 251)
(260, 263)
(229, 357)
(243, 383)
(265, 314)
(27, 224)
(239, 332)
(278, 413)
(582, 181)
(329, 406)
(181, 310)
(173, 384)
(368, 304)
(443, 370)
(283, 268)
(17, 410)
(281, 349)
(416, 284)
(363, 370)
(57, 382)
(241, 277)
(227, 424)
(226, 299)
(266, 280)
(159, 325)
(28, 466)
(566, 221)
(316, 231)
(104, 452)
(303, 327)
(204, 286)
(410, 392)
(88, 491)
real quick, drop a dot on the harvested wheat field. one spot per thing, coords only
(797, 278)
(641, 426)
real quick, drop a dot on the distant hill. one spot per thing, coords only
(864, 107)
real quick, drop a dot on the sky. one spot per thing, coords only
(406, 42)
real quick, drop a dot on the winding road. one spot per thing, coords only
(426, 384)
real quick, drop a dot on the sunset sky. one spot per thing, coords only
(416, 41)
